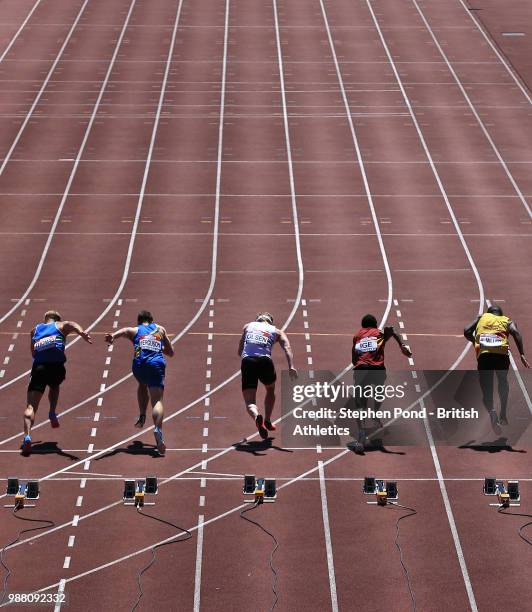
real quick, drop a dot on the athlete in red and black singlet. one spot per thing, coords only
(369, 369)
(368, 348)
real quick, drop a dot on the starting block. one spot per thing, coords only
(383, 491)
(135, 491)
(261, 490)
(507, 493)
(22, 491)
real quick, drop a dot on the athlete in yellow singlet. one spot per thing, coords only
(490, 333)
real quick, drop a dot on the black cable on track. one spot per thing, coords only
(411, 512)
(520, 530)
(154, 549)
(47, 523)
(276, 546)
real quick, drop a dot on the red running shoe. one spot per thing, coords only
(269, 425)
(53, 420)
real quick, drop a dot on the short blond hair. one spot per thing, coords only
(52, 314)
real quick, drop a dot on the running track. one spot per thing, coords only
(212, 158)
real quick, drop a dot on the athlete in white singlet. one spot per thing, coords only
(255, 348)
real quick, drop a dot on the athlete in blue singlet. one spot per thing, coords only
(151, 344)
(48, 370)
(255, 348)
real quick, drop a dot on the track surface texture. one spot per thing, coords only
(210, 159)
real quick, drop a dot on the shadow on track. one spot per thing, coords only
(501, 444)
(50, 448)
(135, 448)
(258, 448)
(376, 445)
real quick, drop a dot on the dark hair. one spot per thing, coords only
(368, 321)
(144, 315)
(495, 310)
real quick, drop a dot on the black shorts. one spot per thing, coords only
(493, 361)
(257, 368)
(46, 374)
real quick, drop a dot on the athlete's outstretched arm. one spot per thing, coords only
(242, 341)
(285, 345)
(168, 349)
(67, 327)
(516, 335)
(469, 331)
(125, 332)
(389, 332)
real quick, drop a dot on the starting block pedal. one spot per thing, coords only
(259, 490)
(22, 491)
(507, 493)
(135, 491)
(384, 491)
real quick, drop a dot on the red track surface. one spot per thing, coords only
(199, 150)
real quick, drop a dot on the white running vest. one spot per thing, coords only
(259, 339)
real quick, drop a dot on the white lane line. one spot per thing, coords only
(432, 165)
(17, 33)
(199, 558)
(18, 136)
(66, 563)
(450, 516)
(328, 540)
(295, 217)
(71, 541)
(451, 212)
(497, 53)
(361, 166)
(475, 113)
(60, 591)
(140, 195)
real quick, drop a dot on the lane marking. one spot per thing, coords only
(497, 53)
(328, 540)
(475, 113)
(199, 558)
(17, 33)
(18, 136)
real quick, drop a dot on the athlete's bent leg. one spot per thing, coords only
(143, 399)
(504, 390)
(156, 396)
(250, 399)
(53, 398)
(269, 401)
(32, 404)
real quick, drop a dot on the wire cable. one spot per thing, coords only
(520, 530)
(276, 546)
(47, 523)
(411, 512)
(154, 549)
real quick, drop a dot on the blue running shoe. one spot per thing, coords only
(26, 446)
(53, 420)
(159, 440)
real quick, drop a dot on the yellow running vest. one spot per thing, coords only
(491, 334)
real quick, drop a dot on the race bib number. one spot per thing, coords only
(366, 345)
(44, 344)
(256, 338)
(490, 340)
(150, 343)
